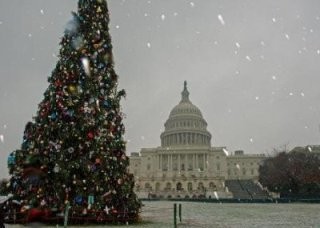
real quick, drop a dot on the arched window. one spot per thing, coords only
(189, 186)
(212, 186)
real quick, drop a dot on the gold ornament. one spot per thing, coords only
(72, 89)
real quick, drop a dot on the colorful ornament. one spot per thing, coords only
(78, 200)
(11, 159)
(90, 135)
(53, 116)
(90, 199)
(72, 89)
(56, 168)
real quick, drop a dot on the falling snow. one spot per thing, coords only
(72, 27)
(86, 65)
(77, 43)
(216, 195)
(275, 76)
(221, 19)
(287, 36)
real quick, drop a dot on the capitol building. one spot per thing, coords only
(186, 165)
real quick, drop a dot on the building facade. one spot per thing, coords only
(186, 165)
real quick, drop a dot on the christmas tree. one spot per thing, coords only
(73, 152)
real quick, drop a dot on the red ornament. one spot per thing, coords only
(90, 135)
(35, 215)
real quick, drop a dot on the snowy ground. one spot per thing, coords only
(160, 214)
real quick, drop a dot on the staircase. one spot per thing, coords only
(246, 189)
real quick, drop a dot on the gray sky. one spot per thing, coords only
(253, 67)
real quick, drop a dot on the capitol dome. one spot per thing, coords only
(185, 125)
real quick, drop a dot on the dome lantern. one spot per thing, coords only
(185, 93)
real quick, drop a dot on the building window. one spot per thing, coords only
(179, 187)
(252, 171)
(157, 186)
(200, 162)
(200, 186)
(190, 162)
(218, 166)
(165, 161)
(148, 167)
(212, 186)
(244, 172)
(147, 186)
(175, 162)
(168, 186)
(189, 186)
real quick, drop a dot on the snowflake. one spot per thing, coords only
(221, 19)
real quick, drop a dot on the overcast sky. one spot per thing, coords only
(253, 67)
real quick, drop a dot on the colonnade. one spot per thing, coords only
(185, 138)
(182, 162)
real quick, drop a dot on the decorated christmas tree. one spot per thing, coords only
(73, 152)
